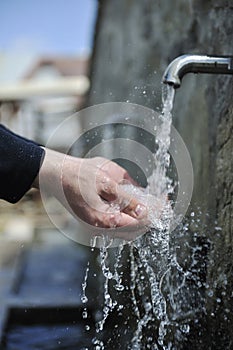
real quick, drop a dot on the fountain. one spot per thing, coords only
(166, 293)
(172, 313)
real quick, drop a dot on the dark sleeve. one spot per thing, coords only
(20, 161)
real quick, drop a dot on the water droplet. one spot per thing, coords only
(119, 287)
(84, 314)
(210, 293)
(185, 328)
(84, 299)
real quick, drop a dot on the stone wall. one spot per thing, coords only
(135, 40)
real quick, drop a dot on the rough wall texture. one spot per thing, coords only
(135, 41)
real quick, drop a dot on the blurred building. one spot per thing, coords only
(52, 89)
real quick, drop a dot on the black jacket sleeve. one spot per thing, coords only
(20, 161)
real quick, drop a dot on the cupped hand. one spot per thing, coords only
(90, 189)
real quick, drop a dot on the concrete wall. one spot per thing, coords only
(135, 40)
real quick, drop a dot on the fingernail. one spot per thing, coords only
(140, 210)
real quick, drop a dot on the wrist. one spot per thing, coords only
(54, 168)
(50, 170)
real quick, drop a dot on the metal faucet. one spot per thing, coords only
(196, 64)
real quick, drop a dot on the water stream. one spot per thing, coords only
(154, 265)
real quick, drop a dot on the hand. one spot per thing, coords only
(89, 189)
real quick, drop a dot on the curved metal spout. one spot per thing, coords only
(196, 64)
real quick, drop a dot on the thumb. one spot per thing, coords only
(131, 206)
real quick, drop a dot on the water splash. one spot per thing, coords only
(115, 276)
(157, 280)
(165, 277)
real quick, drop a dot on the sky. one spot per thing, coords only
(47, 26)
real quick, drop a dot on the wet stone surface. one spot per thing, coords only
(41, 300)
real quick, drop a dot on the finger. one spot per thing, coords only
(107, 188)
(110, 191)
(115, 219)
(127, 220)
(132, 206)
(109, 217)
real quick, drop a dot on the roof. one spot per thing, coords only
(66, 66)
(77, 85)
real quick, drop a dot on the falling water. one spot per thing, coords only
(153, 251)
(153, 262)
(167, 308)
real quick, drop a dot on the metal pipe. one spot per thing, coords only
(196, 64)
